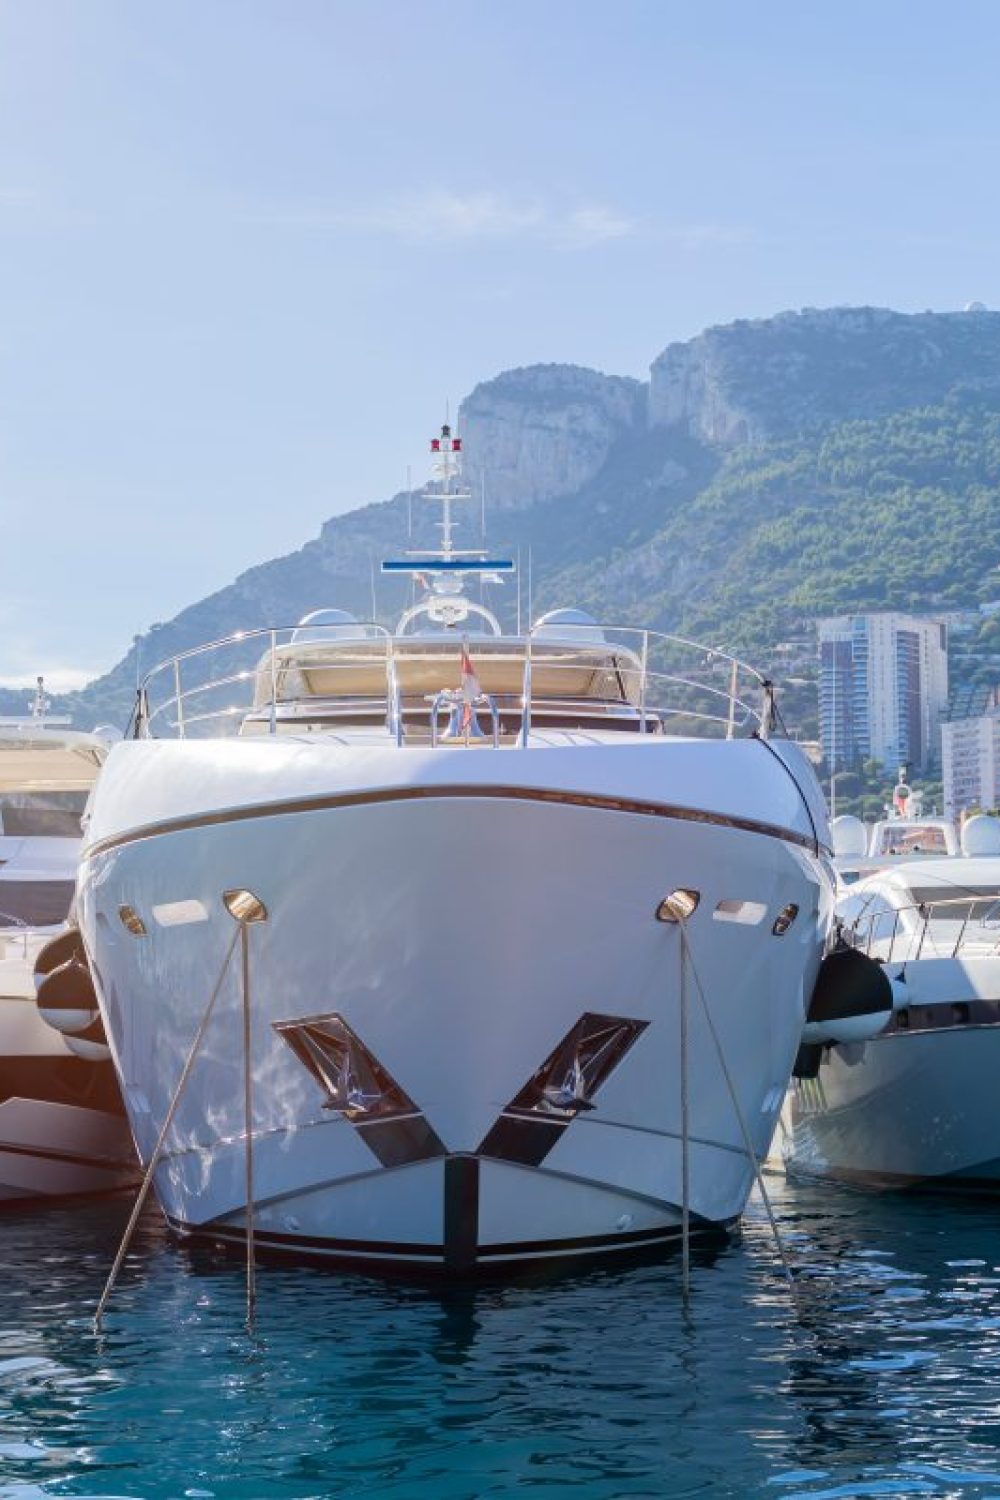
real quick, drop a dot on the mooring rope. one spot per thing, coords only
(154, 1160)
(244, 932)
(744, 1129)
(685, 1133)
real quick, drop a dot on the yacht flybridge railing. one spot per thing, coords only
(336, 676)
(941, 928)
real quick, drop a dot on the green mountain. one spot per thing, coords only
(768, 473)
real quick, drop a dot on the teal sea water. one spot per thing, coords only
(881, 1376)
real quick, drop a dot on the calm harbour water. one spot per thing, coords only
(881, 1376)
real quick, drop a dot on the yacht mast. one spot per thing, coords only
(442, 573)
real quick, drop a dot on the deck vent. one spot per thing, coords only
(179, 913)
(747, 913)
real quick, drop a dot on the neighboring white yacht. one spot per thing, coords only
(905, 833)
(914, 1105)
(62, 1126)
(460, 870)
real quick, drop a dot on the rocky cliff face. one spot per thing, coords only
(633, 499)
(751, 381)
(532, 435)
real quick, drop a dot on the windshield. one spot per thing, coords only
(32, 814)
(922, 839)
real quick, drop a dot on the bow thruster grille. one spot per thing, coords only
(362, 1089)
(561, 1088)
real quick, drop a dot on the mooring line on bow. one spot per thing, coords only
(154, 1159)
(685, 1132)
(737, 1108)
(247, 910)
(244, 932)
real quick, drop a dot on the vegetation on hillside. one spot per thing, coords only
(745, 550)
(902, 512)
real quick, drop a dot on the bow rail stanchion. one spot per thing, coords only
(168, 1120)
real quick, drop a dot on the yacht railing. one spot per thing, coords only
(905, 932)
(618, 676)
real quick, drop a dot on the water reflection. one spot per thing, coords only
(879, 1376)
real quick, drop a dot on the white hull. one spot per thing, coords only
(461, 913)
(915, 1105)
(903, 1110)
(62, 1133)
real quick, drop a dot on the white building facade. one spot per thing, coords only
(883, 687)
(970, 763)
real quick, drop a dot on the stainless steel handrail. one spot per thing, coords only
(638, 669)
(712, 654)
(861, 932)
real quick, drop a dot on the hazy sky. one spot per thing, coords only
(250, 247)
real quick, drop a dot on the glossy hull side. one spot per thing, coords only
(461, 939)
(62, 1130)
(905, 1110)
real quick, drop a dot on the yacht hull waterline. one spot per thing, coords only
(464, 1013)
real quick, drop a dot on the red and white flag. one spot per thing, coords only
(470, 688)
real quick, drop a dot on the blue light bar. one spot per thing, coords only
(447, 565)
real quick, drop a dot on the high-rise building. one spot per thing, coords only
(883, 686)
(970, 762)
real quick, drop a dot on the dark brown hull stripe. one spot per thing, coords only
(441, 793)
(437, 1254)
(72, 1158)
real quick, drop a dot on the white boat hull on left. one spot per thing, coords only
(62, 1130)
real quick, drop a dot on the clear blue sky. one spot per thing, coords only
(250, 247)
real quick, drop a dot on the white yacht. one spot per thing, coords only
(906, 832)
(913, 1105)
(62, 1126)
(406, 943)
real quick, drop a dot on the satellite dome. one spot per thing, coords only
(568, 625)
(850, 837)
(981, 836)
(329, 624)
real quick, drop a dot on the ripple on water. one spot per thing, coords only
(871, 1380)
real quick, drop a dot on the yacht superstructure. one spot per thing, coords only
(906, 832)
(427, 947)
